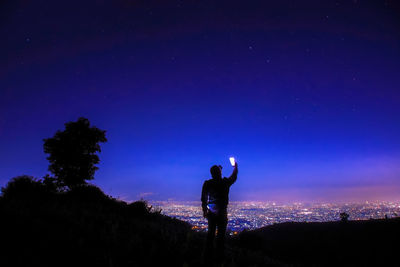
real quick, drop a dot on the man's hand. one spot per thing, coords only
(205, 213)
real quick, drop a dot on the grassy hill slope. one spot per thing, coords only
(85, 227)
(352, 243)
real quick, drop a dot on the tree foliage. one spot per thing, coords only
(23, 186)
(73, 152)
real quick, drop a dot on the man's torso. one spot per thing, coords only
(218, 193)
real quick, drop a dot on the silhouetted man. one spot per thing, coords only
(214, 199)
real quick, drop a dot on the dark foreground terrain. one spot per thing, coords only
(85, 227)
(352, 243)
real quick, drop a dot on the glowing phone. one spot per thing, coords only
(232, 160)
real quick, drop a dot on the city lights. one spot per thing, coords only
(252, 215)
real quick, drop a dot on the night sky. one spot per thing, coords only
(305, 94)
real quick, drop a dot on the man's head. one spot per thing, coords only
(216, 171)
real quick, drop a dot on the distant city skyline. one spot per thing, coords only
(305, 94)
(252, 215)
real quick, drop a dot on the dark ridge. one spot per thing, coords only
(85, 227)
(351, 243)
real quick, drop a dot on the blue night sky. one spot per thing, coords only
(304, 93)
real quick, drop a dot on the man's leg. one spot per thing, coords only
(209, 251)
(222, 223)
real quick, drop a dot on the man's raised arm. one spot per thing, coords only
(234, 174)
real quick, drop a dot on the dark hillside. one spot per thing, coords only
(85, 227)
(352, 243)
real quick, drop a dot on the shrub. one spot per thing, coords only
(88, 192)
(24, 186)
(139, 208)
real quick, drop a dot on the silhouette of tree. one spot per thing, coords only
(344, 217)
(72, 153)
(23, 187)
(51, 183)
